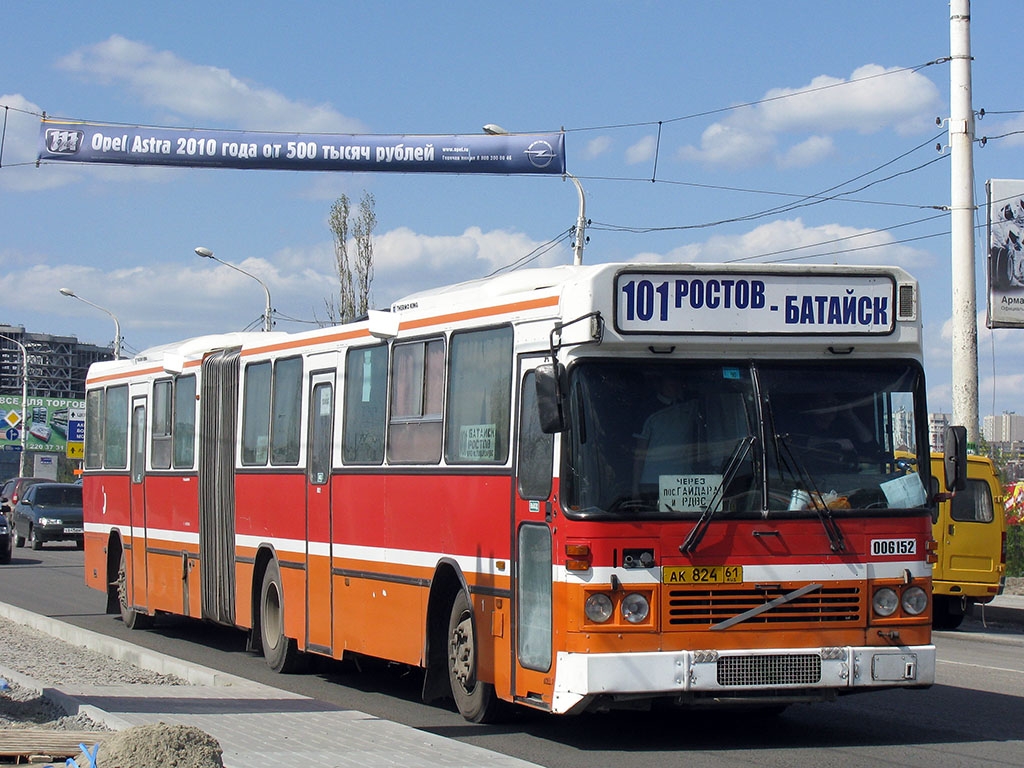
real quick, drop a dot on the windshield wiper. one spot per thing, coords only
(735, 460)
(835, 535)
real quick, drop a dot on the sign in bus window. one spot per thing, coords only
(476, 442)
(688, 493)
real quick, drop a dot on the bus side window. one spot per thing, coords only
(479, 389)
(536, 448)
(417, 395)
(94, 420)
(160, 450)
(366, 382)
(184, 428)
(115, 429)
(256, 414)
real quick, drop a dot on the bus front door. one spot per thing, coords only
(532, 585)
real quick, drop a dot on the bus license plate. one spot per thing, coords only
(702, 574)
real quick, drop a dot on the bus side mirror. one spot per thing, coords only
(954, 460)
(549, 378)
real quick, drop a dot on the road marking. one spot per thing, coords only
(981, 666)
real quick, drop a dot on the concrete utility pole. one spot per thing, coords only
(961, 148)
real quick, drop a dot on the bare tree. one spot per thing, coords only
(354, 265)
(362, 232)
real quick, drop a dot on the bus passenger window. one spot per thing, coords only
(94, 429)
(479, 391)
(115, 429)
(256, 414)
(287, 406)
(417, 394)
(160, 452)
(366, 381)
(184, 422)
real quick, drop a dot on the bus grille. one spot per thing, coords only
(706, 607)
(775, 669)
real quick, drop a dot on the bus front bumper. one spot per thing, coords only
(779, 675)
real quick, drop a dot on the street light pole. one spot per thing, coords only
(117, 324)
(492, 129)
(23, 425)
(268, 313)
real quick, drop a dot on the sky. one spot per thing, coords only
(748, 131)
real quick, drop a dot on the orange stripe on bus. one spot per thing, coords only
(472, 314)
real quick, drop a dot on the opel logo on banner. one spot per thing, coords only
(540, 153)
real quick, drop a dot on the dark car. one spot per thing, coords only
(14, 489)
(49, 512)
(6, 539)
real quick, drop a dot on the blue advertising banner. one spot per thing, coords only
(79, 142)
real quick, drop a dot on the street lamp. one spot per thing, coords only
(491, 129)
(23, 425)
(117, 325)
(268, 313)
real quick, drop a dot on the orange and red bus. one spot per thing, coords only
(576, 488)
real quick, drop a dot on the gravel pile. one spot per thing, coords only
(53, 662)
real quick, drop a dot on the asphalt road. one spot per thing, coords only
(973, 716)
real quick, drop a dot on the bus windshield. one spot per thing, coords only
(742, 439)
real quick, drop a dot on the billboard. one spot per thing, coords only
(81, 142)
(50, 424)
(1005, 253)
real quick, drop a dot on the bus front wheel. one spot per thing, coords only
(282, 653)
(475, 700)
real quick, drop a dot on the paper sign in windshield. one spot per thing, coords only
(907, 491)
(687, 493)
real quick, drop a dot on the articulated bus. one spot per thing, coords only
(574, 489)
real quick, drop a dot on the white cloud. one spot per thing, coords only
(20, 150)
(730, 145)
(197, 92)
(791, 240)
(172, 300)
(597, 147)
(873, 98)
(642, 151)
(807, 153)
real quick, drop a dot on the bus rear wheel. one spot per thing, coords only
(282, 653)
(476, 700)
(130, 617)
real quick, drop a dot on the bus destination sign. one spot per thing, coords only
(765, 304)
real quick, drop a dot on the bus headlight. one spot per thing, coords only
(635, 608)
(598, 608)
(914, 600)
(885, 601)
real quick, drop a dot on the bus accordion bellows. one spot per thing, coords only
(575, 489)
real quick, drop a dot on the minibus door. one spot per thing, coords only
(532, 588)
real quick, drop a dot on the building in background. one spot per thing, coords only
(57, 367)
(937, 423)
